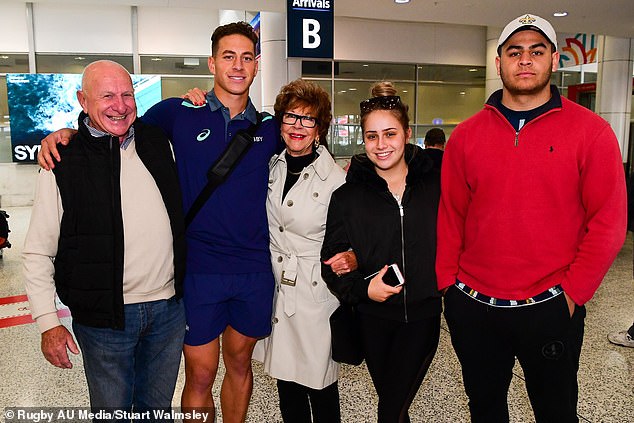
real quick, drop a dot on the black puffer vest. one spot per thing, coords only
(89, 261)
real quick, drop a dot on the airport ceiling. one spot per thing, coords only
(603, 17)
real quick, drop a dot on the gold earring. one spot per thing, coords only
(316, 142)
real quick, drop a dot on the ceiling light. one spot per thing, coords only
(365, 66)
(560, 14)
(80, 58)
(156, 59)
(404, 91)
(401, 1)
(462, 93)
(352, 89)
(4, 57)
(473, 70)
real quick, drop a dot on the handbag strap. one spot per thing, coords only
(222, 167)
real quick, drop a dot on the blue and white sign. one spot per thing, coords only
(309, 28)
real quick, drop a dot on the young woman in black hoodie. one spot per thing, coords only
(386, 212)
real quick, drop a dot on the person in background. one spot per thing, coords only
(435, 145)
(386, 213)
(526, 230)
(624, 338)
(4, 231)
(107, 235)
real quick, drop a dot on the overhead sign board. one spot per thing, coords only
(309, 28)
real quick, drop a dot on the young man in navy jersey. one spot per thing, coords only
(229, 282)
(526, 230)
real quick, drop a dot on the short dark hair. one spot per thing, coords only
(435, 136)
(240, 28)
(301, 93)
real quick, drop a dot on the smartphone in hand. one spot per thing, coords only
(392, 276)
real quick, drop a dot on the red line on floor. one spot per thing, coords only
(23, 320)
(15, 321)
(14, 299)
(26, 318)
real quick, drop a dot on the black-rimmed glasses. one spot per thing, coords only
(306, 121)
(385, 102)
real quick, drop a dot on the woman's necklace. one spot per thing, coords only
(398, 194)
(299, 163)
(397, 189)
(396, 179)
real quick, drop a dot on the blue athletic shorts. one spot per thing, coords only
(215, 301)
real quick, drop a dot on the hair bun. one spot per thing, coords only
(382, 89)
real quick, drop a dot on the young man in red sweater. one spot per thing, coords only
(532, 215)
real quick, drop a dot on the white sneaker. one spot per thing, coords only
(621, 338)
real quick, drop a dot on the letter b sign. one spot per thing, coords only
(309, 28)
(310, 33)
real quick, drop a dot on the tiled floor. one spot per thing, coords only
(606, 373)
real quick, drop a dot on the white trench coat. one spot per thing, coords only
(298, 349)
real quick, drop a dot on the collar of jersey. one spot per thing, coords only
(249, 113)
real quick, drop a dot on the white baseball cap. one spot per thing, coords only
(525, 22)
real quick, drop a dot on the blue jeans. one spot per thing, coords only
(136, 368)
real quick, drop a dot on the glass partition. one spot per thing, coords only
(14, 63)
(9, 63)
(447, 95)
(75, 63)
(437, 96)
(175, 65)
(346, 137)
(5, 129)
(375, 71)
(177, 86)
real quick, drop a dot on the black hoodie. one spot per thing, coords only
(363, 215)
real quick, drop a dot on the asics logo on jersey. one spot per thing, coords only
(203, 135)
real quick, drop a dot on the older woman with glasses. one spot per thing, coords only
(386, 212)
(301, 181)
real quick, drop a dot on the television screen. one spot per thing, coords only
(42, 103)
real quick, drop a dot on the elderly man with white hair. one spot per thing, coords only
(107, 236)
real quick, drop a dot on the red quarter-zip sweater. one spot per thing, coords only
(521, 212)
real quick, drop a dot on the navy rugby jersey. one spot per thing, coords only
(230, 232)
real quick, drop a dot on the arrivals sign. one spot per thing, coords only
(309, 28)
